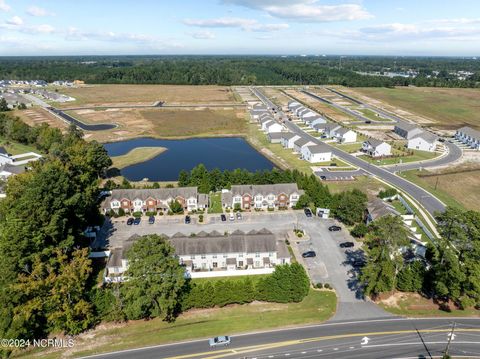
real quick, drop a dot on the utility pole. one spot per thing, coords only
(445, 355)
(436, 183)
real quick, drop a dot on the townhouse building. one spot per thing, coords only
(469, 137)
(281, 195)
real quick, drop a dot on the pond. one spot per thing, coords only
(226, 153)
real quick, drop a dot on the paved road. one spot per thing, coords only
(386, 338)
(430, 203)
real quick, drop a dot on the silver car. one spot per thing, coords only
(219, 341)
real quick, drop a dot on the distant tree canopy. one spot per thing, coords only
(241, 70)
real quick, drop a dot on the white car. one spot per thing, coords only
(219, 341)
(232, 217)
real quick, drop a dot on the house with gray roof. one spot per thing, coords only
(153, 199)
(281, 195)
(274, 137)
(469, 137)
(376, 148)
(344, 135)
(377, 208)
(254, 252)
(300, 143)
(317, 153)
(7, 170)
(407, 130)
(288, 139)
(424, 141)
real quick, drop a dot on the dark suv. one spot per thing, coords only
(130, 221)
(334, 228)
(347, 245)
(309, 254)
(308, 212)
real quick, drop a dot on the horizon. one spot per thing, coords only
(239, 28)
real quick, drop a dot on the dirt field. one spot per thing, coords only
(164, 123)
(448, 109)
(100, 95)
(36, 116)
(276, 96)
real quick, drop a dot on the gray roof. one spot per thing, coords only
(427, 136)
(374, 142)
(238, 243)
(379, 208)
(155, 193)
(288, 135)
(470, 132)
(319, 149)
(266, 119)
(265, 189)
(302, 141)
(341, 131)
(227, 199)
(16, 170)
(321, 126)
(275, 135)
(282, 250)
(202, 199)
(117, 254)
(406, 126)
(331, 127)
(3, 150)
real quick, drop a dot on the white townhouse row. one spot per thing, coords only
(337, 132)
(213, 252)
(469, 137)
(303, 113)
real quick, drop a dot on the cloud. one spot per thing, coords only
(306, 10)
(4, 6)
(16, 21)
(233, 22)
(202, 35)
(38, 11)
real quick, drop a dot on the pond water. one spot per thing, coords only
(226, 153)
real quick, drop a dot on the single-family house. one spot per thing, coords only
(316, 153)
(5, 157)
(288, 139)
(330, 128)
(282, 195)
(274, 137)
(345, 135)
(376, 148)
(378, 208)
(154, 199)
(293, 106)
(273, 126)
(425, 141)
(7, 170)
(469, 137)
(407, 130)
(320, 127)
(265, 121)
(255, 114)
(316, 120)
(300, 143)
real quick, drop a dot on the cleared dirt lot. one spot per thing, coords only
(35, 116)
(100, 95)
(444, 108)
(164, 123)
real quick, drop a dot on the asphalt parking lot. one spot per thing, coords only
(331, 264)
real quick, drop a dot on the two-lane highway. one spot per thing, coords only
(383, 338)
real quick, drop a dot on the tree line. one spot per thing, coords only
(240, 70)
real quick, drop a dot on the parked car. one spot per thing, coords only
(187, 219)
(347, 245)
(368, 121)
(309, 254)
(323, 178)
(130, 221)
(334, 228)
(232, 217)
(223, 217)
(239, 216)
(441, 139)
(219, 341)
(137, 221)
(333, 164)
(151, 220)
(308, 212)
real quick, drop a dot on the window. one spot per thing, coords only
(204, 265)
(270, 254)
(294, 196)
(271, 198)
(192, 257)
(204, 256)
(214, 256)
(240, 255)
(215, 264)
(257, 263)
(225, 256)
(257, 255)
(237, 200)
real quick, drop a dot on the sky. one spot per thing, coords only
(278, 27)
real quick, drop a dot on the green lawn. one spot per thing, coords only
(417, 156)
(372, 115)
(254, 278)
(16, 148)
(215, 203)
(399, 206)
(362, 183)
(350, 147)
(317, 307)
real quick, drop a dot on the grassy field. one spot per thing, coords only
(371, 115)
(318, 306)
(215, 203)
(99, 95)
(417, 156)
(458, 194)
(363, 183)
(163, 123)
(414, 305)
(447, 182)
(449, 108)
(137, 155)
(16, 148)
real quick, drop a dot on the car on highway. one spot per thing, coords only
(232, 217)
(130, 221)
(223, 217)
(187, 219)
(309, 254)
(219, 341)
(308, 212)
(151, 220)
(239, 216)
(347, 245)
(334, 228)
(137, 221)
(368, 122)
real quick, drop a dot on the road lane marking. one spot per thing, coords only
(261, 347)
